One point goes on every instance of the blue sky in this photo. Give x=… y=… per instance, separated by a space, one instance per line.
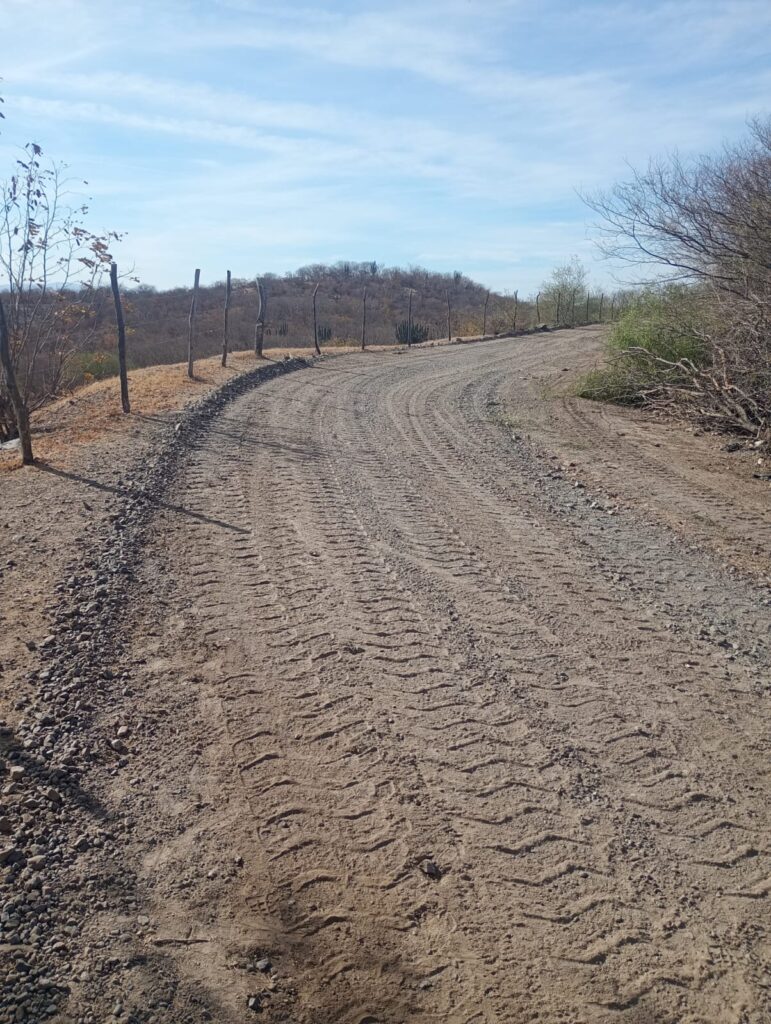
x=259 y=136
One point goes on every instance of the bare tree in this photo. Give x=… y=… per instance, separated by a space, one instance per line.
x=51 y=270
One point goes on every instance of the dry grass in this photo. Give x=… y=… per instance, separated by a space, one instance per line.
x=93 y=411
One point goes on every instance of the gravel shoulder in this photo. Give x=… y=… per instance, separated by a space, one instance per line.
x=402 y=687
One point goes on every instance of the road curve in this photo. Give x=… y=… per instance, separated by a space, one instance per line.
x=459 y=741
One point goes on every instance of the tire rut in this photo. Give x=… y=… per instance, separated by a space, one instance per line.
x=492 y=769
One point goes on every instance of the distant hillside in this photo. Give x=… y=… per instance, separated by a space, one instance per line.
x=158 y=320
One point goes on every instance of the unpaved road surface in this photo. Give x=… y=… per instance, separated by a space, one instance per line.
x=438 y=714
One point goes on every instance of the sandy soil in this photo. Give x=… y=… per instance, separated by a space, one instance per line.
x=442 y=698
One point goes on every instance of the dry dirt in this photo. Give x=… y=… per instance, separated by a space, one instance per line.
x=443 y=698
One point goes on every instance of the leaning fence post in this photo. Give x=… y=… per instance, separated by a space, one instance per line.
x=364 y=319
x=315 y=322
x=124 y=395
x=225 y=322
x=259 y=327
x=19 y=406
x=191 y=324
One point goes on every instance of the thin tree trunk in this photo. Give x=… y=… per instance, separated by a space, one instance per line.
x=315 y=323
x=225 y=322
x=259 y=328
x=516 y=309
x=559 y=304
x=587 y=307
x=124 y=395
x=484 y=319
x=409 y=321
x=602 y=299
x=449 y=317
x=573 y=308
x=191 y=324
x=19 y=406
x=364 y=320
x=538 y=308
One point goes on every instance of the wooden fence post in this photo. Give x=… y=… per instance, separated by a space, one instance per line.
x=315 y=322
x=124 y=395
x=364 y=319
x=225 y=322
x=409 y=321
x=259 y=327
x=191 y=324
x=449 y=316
x=484 y=319
x=19 y=406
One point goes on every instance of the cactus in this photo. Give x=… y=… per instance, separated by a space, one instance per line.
x=420 y=332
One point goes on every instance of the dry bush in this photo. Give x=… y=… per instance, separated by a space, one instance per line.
x=705 y=224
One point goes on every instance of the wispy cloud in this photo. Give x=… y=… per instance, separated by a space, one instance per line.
x=452 y=133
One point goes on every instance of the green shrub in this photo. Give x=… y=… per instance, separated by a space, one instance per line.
x=659 y=325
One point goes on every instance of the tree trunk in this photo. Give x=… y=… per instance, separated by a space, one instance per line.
x=516 y=309
x=315 y=323
x=19 y=406
x=484 y=319
x=409 y=321
x=191 y=324
x=225 y=322
x=602 y=299
x=559 y=304
x=124 y=395
x=364 y=320
x=587 y=307
x=538 y=308
x=449 y=317
x=259 y=328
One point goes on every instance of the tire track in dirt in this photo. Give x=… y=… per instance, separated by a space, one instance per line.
x=432 y=657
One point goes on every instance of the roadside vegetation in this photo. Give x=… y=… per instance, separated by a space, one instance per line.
x=695 y=338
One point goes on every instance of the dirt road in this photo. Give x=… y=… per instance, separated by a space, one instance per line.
x=446 y=714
